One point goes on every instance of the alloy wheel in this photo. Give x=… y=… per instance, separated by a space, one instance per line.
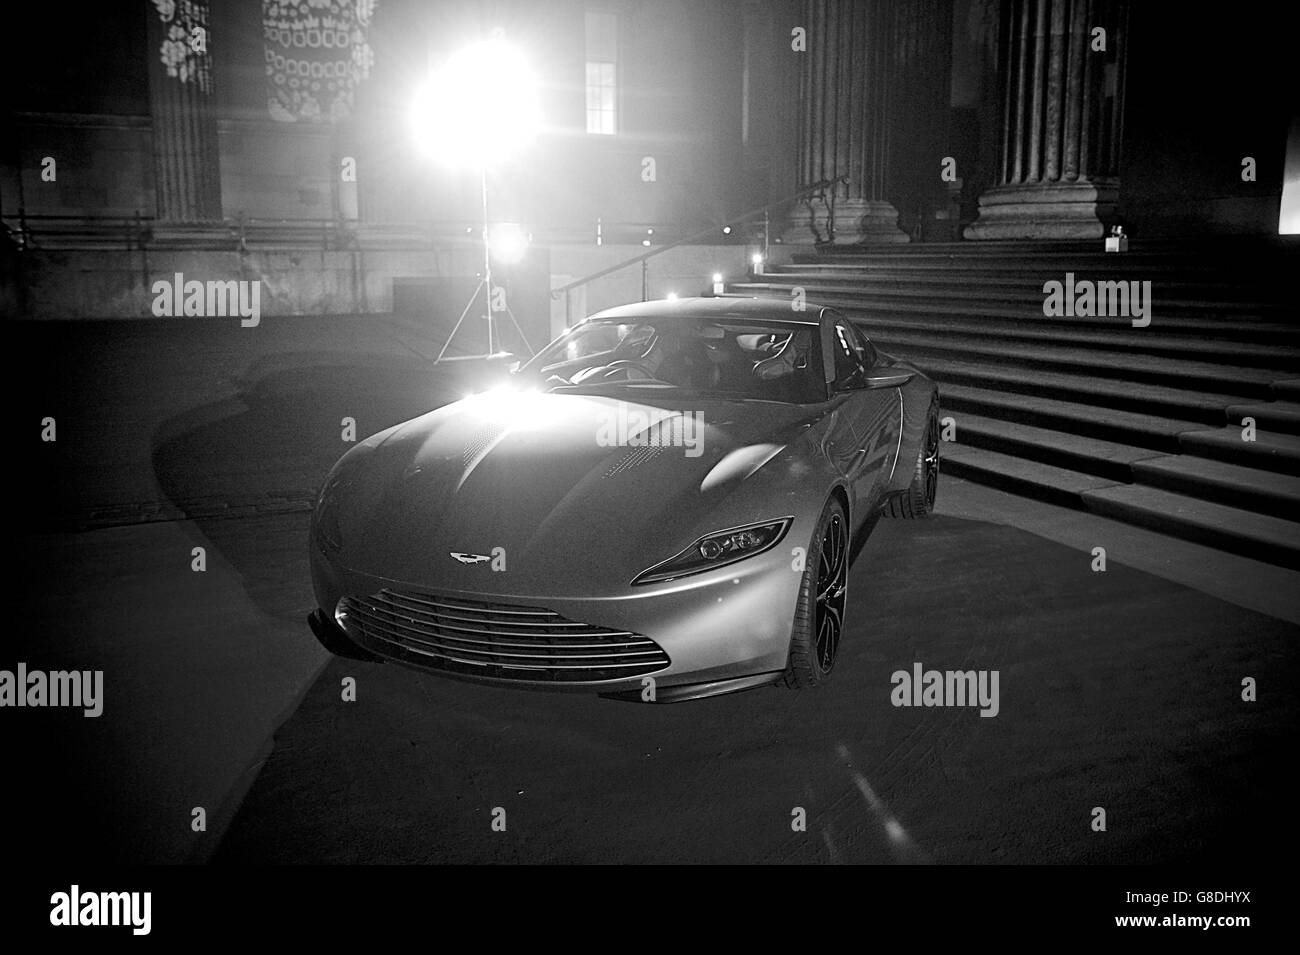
x=930 y=462
x=832 y=588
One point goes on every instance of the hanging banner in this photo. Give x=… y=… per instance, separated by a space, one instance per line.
x=316 y=57
x=184 y=47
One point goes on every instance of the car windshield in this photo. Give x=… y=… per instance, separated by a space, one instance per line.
x=768 y=361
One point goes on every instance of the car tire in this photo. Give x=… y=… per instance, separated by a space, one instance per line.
x=918 y=499
x=823 y=596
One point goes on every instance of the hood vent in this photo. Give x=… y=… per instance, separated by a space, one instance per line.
x=480 y=442
x=635 y=457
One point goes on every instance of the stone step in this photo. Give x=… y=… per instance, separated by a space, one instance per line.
x=1244 y=532
x=1109 y=424
x=1063 y=449
x=1141 y=424
x=1271 y=451
x=1175 y=337
x=1261 y=331
x=1206 y=407
x=1027 y=300
x=931 y=266
x=943 y=281
x=1246 y=487
x=1235 y=252
x=1035 y=479
x=1276 y=416
x=1255 y=383
x=1268 y=492
x=1252 y=534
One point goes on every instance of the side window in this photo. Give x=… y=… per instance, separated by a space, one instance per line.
x=866 y=350
x=850 y=372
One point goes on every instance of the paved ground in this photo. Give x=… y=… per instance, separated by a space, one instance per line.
x=199 y=668
x=1118 y=690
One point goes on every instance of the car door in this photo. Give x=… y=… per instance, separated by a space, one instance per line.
x=873 y=414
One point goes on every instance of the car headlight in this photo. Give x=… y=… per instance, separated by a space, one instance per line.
x=718 y=550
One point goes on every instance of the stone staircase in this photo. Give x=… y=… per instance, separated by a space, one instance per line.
x=1141 y=424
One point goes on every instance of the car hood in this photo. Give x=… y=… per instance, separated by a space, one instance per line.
x=569 y=493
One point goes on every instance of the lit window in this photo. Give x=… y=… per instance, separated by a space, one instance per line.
x=602 y=73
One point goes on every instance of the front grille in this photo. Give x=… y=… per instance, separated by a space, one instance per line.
x=501 y=641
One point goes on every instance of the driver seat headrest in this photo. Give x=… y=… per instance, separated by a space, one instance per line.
x=780 y=364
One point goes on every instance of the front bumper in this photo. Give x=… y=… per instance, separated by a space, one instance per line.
x=719 y=631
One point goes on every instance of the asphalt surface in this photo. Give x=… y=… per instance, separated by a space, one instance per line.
x=1118 y=690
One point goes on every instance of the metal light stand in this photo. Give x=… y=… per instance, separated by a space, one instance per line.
x=485 y=286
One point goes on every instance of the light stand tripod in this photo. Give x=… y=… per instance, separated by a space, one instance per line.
x=484 y=286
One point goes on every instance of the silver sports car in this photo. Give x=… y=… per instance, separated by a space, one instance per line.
x=661 y=505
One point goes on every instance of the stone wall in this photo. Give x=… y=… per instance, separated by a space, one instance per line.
x=117 y=282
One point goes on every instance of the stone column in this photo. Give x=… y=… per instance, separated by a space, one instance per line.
x=844 y=113
x=187 y=172
x=921 y=91
x=1062 y=109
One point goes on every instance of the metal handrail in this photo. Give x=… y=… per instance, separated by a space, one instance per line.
x=329 y=230
x=135 y=228
x=86 y=217
x=817 y=187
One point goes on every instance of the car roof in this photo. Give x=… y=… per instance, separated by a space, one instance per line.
x=717 y=307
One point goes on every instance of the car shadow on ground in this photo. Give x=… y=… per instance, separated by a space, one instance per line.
x=267 y=449
x=1118 y=691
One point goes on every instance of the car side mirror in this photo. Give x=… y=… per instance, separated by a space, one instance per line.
x=888 y=378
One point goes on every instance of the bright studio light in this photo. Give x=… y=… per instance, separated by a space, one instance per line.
x=508 y=242
x=479 y=106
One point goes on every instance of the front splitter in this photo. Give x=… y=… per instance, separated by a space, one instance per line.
x=697 y=691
